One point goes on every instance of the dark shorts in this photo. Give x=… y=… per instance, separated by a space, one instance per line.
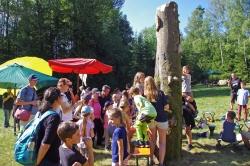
x=48 y=163
x=188 y=118
x=233 y=97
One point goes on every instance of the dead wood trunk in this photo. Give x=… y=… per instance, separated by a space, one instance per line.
x=168 y=70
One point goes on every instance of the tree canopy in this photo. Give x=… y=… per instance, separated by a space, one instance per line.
x=215 y=39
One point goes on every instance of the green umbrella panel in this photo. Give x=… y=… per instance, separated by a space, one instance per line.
x=16 y=76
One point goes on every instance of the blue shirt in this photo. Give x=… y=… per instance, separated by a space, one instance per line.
x=27 y=94
x=119 y=133
x=161 y=101
x=228 y=132
x=242 y=96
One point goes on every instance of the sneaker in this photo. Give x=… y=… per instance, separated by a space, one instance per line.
x=146 y=144
x=189 y=147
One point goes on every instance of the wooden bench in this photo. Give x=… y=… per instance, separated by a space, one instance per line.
x=141 y=152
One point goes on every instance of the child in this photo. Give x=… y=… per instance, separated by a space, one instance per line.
x=107 y=107
x=69 y=155
x=84 y=101
x=115 y=99
x=188 y=108
x=86 y=127
x=242 y=100
x=227 y=133
x=146 y=113
x=186 y=81
x=119 y=139
x=139 y=81
x=125 y=108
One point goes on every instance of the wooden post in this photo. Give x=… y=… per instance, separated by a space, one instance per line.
x=168 y=70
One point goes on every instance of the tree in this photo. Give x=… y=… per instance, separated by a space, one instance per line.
x=168 y=69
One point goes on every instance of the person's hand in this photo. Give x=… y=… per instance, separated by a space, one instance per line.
x=88 y=142
x=166 y=107
x=77 y=164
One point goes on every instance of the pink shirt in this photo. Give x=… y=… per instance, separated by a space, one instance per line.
x=96 y=107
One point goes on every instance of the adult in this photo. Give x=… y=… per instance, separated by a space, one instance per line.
x=67 y=107
x=8 y=101
x=48 y=141
x=160 y=125
x=234 y=84
x=104 y=96
x=27 y=99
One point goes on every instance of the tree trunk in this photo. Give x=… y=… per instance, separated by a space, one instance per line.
x=168 y=70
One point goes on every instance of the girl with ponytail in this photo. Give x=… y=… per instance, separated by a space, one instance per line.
x=48 y=141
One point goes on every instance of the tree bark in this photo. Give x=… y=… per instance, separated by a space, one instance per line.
x=168 y=70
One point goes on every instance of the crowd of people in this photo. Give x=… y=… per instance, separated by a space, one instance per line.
x=93 y=119
x=106 y=119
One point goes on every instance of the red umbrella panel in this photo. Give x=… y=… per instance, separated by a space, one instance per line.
x=79 y=65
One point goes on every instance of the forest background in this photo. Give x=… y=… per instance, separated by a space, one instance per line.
x=216 y=41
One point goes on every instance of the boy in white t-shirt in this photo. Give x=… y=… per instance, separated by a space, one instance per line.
x=242 y=100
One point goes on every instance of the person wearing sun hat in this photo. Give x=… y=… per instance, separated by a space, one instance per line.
x=27 y=99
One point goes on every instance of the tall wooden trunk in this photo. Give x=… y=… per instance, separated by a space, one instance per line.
x=168 y=70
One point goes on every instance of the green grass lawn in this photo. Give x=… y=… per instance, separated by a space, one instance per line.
x=214 y=99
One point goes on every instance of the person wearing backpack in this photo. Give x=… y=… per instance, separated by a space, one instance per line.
x=38 y=143
x=48 y=141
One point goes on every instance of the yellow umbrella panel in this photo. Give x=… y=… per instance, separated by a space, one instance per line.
x=33 y=63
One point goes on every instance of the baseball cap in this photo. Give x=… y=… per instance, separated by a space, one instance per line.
x=33 y=77
x=85 y=110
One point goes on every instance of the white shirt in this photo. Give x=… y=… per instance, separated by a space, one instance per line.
x=242 y=98
x=68 y=116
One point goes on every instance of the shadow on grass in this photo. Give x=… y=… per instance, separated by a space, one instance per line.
x=100 y=155
x=196 y=136
x=211 y=156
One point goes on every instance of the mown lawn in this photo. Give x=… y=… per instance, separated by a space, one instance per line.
x=214 y=99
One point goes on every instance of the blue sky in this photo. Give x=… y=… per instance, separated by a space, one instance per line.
x=141 y=13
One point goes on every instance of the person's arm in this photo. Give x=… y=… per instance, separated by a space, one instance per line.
x=42 y=152
x=20 y=98
x=78 y=109
x=120 y=151
x=92 y=133
x=191 y=106
x=21 y=102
